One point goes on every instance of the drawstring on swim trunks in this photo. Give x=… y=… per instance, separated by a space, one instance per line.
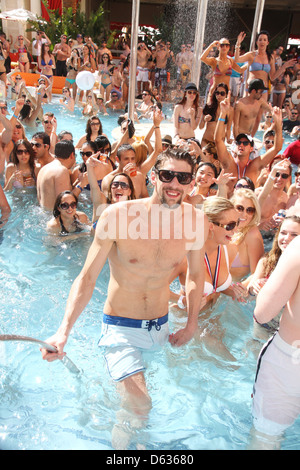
x=152 y=323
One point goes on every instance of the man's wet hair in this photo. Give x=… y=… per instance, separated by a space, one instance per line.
x=64 y=149
x=124 y=148
x=176 y=154
x=43 y=136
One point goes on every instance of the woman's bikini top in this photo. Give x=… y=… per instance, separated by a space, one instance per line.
x=258 y=67
x=184 y=120
x=210 y=288
x=237 y=263
x=76 y=223
x=218 y=72
x=43 y=63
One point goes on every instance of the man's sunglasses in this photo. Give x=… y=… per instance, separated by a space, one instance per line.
x=244 y=142
x=229 y=226
x=36 y=144
x=166 y=176
x=65 y=205
x=284 y=176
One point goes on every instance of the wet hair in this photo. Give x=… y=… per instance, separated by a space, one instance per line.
x=211 y=108
x=102 y=141
x=64 y=149
x=175 y=154
x=61 y=135
x=271 y=258
x=91 y=144
x=267 y=134
x=248 y=194
x=88 y=128
x=29 y=148
x=132 y=194
x=211 y=165
x=249 y=181
x=43 y=136
x=211 y=148
x=25 y=111
x=215 y=206
x=56 y=211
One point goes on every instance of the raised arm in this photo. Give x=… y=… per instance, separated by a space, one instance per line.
x=224 y=156
x=211 y=61
x=267 y=157
x=148 y=164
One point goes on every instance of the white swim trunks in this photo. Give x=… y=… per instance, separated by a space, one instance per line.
x=142 y=74
x=276 y=393
x=125 y=339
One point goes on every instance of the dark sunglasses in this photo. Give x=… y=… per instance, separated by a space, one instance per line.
x=3 y=107
x=119 y=184
x=297 y=173
x=192 y=92
x=21 y=151
x=18 y=78
x=229 y=226
x=284 y=176
x=36 y=144
x=18 y=126
x=94 y=123
x=65 y=205
x=222 y=93
x=86 y=154
x=269 y=142
x=47 y=122
x=249 y=210
x=244 y=142
x=244 y=186
x=166 y=176
x=224 y=44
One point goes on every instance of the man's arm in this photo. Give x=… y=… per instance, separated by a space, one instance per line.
x=5 y=208
x=224 y=156
x=236 y=119
x=281 y=284
x=194 y=289
x=82 y=288
x=267 y=157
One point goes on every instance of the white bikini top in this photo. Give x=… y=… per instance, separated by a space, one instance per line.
x=210 y=288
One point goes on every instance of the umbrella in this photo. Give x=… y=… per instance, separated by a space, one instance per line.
x=18 y=15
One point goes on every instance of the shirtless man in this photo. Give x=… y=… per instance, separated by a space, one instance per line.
x=179 y=61
x=141 y=268
x=146 y=105
x=276 y=395
x=248 y=110
x=116 y=103
x=127 y=162
x=240 y=164
x=40 y=143
x=143 y=55
x=272 y=196
x=162 y=54
x=54 y=177
x=62 y=52
x=294 y=199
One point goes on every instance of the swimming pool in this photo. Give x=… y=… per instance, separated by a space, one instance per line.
x=199 y=400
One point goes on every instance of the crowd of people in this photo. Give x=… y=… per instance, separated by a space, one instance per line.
x=212 y=167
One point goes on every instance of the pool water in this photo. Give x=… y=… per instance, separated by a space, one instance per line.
x=200 y=401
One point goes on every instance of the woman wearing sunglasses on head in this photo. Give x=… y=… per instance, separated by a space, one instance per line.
x=66 y=219
x=210 y=116
x=247 y=243
x=187 y=114
x=222 y=65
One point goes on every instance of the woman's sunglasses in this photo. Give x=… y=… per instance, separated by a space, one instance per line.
x=86 y=154
x=249 y=210
x=21 y=151
x=222 y=93
x=119 y=184
x=244 y=186
x=65 y=205
x=229 y=226
x=166 y=176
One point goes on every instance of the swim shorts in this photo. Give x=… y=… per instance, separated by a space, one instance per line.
x=161 y=77
x=276 y=393
x=125 y=340
x=142 y=74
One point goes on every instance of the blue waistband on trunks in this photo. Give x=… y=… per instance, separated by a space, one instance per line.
x=132 y=323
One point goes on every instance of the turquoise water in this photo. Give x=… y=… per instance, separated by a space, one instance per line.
x=199 y=400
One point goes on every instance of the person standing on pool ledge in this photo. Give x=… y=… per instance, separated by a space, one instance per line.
x=141 y=267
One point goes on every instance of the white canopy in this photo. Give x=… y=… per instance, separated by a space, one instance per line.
x=18 y=15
